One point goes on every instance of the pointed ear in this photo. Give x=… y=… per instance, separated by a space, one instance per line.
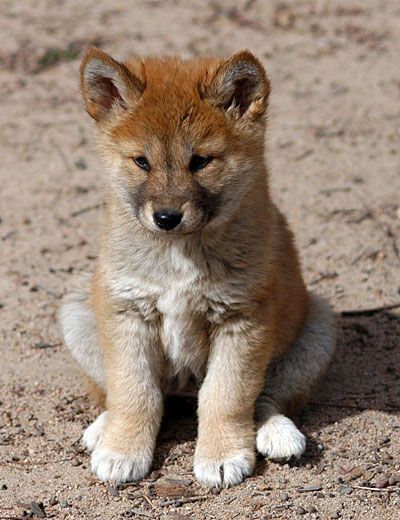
x=240 y=87
x=107 y=85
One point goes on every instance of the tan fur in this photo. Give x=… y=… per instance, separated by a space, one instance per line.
x=94 y=390
x=219 y=297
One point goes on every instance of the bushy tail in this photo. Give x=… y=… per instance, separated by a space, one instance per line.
x=291 y=379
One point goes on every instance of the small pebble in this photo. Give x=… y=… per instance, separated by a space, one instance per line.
x=382 y=483
x=309 y=489
x=75 y=462
x=154 y=475
x=300 y=510
x=284 y=497
x=53 y=500
x=345 y=490
x=369 y=475
x=113 y=491
x=311 y=509
x=386 y=457
x=37 y=509
x=335 y=515
x=81 y=164
x=64 y=504
x=4 y=487
x=320 y=468
x=393 y=479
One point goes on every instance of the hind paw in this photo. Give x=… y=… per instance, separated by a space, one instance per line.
x=93 y=433
x=280 y=439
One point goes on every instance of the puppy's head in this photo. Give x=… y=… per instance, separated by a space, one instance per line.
x=182 y=140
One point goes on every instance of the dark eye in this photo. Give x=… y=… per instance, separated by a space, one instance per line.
x=142 y=162
x=198 y=162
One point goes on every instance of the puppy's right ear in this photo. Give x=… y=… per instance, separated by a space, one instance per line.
x=107 y=85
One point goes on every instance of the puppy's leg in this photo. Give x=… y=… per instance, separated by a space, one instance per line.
x=225 y=452
x=79 y=326
x=133 y=361
x=289 y=382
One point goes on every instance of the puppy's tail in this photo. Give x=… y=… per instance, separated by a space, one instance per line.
x=291 y=378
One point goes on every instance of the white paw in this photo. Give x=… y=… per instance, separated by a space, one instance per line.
x=279 y=438
x=109 y=466
x=92 y=435
x=224 y=473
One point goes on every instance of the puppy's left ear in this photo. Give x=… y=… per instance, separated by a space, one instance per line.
x=108 y=86
x=240 y=87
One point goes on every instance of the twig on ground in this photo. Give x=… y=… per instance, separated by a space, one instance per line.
x=61 y=155
x=369 y=312
x=184 y=500
x=8 y=235
x=85 y=210
x=360 y=408
x=140 y=512
x=23 y=463
x=148 y=501
x=48 y=291
x=376 y=489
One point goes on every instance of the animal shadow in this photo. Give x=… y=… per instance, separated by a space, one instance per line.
x=364 y=375
x=365 y=371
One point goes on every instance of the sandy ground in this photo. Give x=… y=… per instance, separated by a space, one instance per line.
x=334 y=154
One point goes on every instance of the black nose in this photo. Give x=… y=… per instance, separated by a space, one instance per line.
x=167 y=218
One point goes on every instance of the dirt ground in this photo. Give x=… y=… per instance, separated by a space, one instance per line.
x=335 y=159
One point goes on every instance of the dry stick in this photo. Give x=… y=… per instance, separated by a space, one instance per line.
x=85 y=210
x=383 y=227
x=391 y=235
x=149 y=501
x=8 y=235
x=366 y=488
x=184 y=500
x=141 y=513
x=369 y=312
x=352 y=406
x=48 y=291
x=16 y=464
x=61 y=155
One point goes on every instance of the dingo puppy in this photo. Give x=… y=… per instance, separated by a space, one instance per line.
x=197 y=275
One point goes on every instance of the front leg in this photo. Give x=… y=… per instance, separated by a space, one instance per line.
x=225 y=451
x=123 y=438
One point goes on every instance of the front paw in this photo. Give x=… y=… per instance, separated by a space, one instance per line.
x=110 y=466
x=224 y=472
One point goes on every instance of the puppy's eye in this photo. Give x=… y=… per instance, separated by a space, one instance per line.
x=142 y=162
x=198 y=162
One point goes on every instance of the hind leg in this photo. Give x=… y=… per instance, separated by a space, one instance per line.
x=80 y=332
x=289 y=382
x=78 y=323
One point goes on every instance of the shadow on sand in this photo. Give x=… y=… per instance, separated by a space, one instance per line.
x=364 y=375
